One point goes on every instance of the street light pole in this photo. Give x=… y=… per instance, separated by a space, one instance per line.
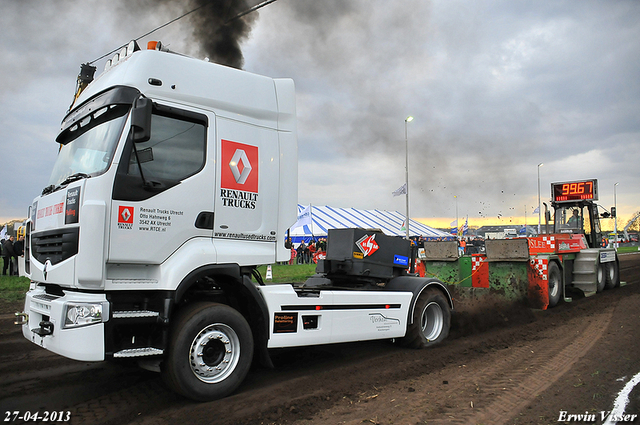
x=539 y=206
x=615 y=219
x=406 y=141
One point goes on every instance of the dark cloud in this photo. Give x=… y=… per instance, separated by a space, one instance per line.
x=495 y=89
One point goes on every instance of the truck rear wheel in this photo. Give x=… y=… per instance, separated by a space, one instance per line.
x=555 y=284
x=613 y=279
x=601 y=278
x=431 y=320
x=210 y=352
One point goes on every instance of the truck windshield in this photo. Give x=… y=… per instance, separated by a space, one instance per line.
x=91 y=142
x=569 y=220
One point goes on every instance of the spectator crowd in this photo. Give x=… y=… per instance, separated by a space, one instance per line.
x=10 y=252
x=306 y=253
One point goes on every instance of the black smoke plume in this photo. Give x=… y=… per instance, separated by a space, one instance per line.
x=219 y=31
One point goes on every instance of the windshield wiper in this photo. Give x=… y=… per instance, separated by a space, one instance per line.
x=48 y=189
x=73 y=177
x=70 y=179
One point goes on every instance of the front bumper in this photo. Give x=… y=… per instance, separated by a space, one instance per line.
x=45 y=325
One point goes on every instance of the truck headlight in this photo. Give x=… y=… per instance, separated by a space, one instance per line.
x=81 y=314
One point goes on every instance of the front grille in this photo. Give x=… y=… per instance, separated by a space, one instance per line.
x=55 y=245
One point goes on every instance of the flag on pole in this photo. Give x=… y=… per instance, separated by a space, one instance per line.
x=465 y=227
x=537 y=210
x=304 y=218
x=404 y=225
x=3 y=232
x=454 y=227
x=402 y=190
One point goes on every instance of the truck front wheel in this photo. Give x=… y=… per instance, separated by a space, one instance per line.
x=612 y=275
x=210 y=352
x=431 y=320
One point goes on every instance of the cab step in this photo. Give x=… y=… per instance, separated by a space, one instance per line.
x=138 y=352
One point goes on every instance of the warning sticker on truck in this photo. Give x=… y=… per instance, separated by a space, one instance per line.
x=367 y=244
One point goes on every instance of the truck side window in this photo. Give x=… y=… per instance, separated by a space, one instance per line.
x=175 y=151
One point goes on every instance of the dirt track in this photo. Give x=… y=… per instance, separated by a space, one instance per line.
x=504 y=366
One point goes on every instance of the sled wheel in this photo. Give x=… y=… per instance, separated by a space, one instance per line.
x=210 y=352
x=601 y=278
x=431 y=320
x=612 y=275
x=555 y=284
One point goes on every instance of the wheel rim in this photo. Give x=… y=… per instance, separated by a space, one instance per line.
x=214 y=353
x=432 y=321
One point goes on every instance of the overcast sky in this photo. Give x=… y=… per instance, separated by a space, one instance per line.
x=496 y=87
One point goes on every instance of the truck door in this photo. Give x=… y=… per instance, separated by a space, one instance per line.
x=163 y=190
x=247 y=200
x=595 y=239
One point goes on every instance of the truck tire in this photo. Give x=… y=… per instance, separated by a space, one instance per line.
x=601 y=276
x=613 y=277
x=555 y=284
x=431 y=320
x=210 y=352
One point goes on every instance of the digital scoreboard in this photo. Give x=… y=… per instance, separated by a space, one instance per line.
x=575 y=191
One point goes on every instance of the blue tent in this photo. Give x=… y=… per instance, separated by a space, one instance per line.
x=391 y=223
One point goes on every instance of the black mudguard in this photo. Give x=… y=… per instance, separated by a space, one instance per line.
x=417 y=285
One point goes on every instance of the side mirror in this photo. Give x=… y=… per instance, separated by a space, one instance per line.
x=613 y=212
x=141 y=120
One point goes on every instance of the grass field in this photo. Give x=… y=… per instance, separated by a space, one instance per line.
x=13 y=288
x=624 y=249
x=288 y=273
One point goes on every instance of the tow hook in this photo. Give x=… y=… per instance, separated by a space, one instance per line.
x=21 y=319
x=46 y=328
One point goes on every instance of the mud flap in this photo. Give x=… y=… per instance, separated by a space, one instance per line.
x=538 y=288
x=479 y=271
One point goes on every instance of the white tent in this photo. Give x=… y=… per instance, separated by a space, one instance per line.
x=390 y=222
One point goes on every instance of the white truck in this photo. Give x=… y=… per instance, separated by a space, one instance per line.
x=175 y=179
